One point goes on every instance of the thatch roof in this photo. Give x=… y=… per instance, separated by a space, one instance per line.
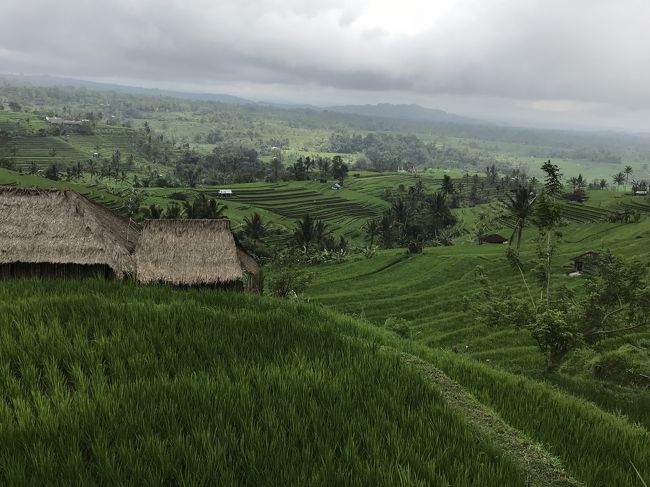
x=591 y=255
x=62 y=227
x=248 y=264
x=189 y=252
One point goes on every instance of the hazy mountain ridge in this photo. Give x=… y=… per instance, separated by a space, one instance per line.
x=47 y=80
x=404 y=112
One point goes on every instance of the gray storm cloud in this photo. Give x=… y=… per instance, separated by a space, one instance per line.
x=582 y=51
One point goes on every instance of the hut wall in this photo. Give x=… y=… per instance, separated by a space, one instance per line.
x=47 y=270
x=253 y=282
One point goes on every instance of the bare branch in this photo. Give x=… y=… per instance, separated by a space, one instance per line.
x=618 y=330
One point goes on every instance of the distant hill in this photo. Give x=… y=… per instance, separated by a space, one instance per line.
x=47 y=80
x=404 y=112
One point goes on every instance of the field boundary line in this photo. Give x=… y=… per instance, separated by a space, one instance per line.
x=542 y=469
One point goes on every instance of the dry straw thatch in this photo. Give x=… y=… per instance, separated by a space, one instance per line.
x=191 y=252
x=41 y=226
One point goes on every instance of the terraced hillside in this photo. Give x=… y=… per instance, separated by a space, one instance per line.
x=293 y=202
x=33 y=145
x=430 y=292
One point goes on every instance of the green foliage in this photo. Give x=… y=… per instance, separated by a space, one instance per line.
x=617 y=297
x=555 y=334
x=132 y=201
x=627 y=365
x=254 y=227
x=514 y=260
x=615 y=300
x=52 y=172
x=204 y=208
x=553 y=179
x=520 y=206
x=398 y=325
x=309 y=233
x=288 y=283
x=415 y=217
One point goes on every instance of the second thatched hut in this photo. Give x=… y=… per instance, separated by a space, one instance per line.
x=194 y=253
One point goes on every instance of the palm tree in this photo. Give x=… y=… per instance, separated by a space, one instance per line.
x=324 y=167
x=619 y=179
x=386 y=229
x=154 y=212
x=520 y=206
x=304 y=232
x=447 y=185
x=277 y=168
x=627 y=171
x=204 y=207
x=173 y=211
x=254 y=227
x=372 y=229
x=322 y=234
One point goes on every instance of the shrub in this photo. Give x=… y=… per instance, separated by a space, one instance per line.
x=398 y=325
x=628 y=365
x=288 y=283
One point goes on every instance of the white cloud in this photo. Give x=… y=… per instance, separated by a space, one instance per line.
x=584 y=53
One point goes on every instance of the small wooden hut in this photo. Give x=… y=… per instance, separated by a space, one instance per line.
x=493 y=238
x=194 y=253
x=56 y=233
x=587 y=262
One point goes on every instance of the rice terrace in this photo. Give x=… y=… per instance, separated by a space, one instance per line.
x=315 y=279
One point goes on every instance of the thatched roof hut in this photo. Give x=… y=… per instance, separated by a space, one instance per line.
x=193 y=252
x=493 y=238
x=60 y=233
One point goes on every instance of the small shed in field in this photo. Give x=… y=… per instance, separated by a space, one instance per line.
x=56 y=233
x=194 y=253
x=493 y=238
x=587 y=262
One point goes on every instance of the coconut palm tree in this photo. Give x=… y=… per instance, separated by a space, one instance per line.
x=520 y=207
x=204 y=207
x=154 y=212
x=173 y=211
x=277 y=168
x=627 y=171
x=254 y=227
x=304 y=232
x=324 y=166
x=619 y=179
x=372 y=230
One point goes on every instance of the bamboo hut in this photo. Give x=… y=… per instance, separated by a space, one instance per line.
x=57 y=233
x=194 y=253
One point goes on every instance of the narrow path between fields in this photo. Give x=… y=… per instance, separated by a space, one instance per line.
x=540 y=467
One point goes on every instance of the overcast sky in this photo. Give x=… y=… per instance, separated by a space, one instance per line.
x=542 y=62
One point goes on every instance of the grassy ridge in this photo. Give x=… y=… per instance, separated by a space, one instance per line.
x=115 y=383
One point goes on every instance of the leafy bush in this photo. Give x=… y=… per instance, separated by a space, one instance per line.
x=289 y=283
x=398 y=325
x=628 y=365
